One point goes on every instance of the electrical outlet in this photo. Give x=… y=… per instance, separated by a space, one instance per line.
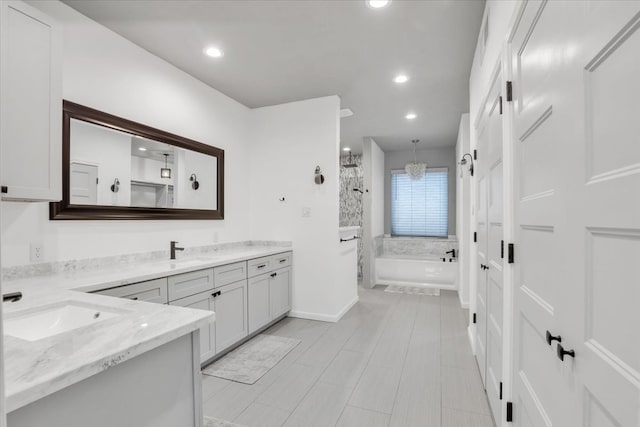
x=306 y=212
x=36 y=252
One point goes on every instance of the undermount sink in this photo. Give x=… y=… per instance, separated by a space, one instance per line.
x=53 y=320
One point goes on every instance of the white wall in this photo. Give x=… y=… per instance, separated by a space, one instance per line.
x=109 y=150
x=123 y=79
x=463 y=211
x=289 y=141
x=373 y=161
x=434 y=158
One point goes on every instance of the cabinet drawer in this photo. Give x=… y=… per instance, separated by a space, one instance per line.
x=259 y=266
x=231 y=273
x=187 y=284
x=281 y=260
x=151 y=291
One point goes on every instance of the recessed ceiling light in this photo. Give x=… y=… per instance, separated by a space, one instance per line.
x=378 y=4
x=401 y=78
x=142 y=149
x=214 y=52
x=346 y=149
x=410 y=116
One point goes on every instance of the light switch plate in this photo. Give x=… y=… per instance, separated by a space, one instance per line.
x=306 y=212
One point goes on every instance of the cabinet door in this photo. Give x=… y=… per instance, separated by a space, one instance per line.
x=230 y=305
x=259 y=312
x=280 y=292
x=203 y=301
x=31 y=104
x=150 y=291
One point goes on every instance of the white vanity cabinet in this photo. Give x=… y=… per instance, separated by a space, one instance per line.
x=269 y=293
x=230 y=306
x=30 y=104
x=203 y=301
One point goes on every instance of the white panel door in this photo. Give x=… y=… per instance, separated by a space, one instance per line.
x=483 y=258
x=83 y=184
x=603 y=236
x=577 y=160
x=494 y=248
x=540 y=394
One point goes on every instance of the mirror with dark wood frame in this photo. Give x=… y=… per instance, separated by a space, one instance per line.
x=114 y=168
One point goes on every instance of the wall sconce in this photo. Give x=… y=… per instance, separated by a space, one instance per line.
x=194 y=181
x=165 y=172
x=463 y=162
x=319 y=178
x=115 y=187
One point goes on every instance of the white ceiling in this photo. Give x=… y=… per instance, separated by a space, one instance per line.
x=283 y=51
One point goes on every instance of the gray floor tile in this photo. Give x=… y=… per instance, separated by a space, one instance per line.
x=358 y=417
x=321 y=407
x=462 y=389
x=345 y=369
x=377 y=388
x=291 y=387
x=235 y=399
x=456 y=418
x=212 y=386
x=260 y=415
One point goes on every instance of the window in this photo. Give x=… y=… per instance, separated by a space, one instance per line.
x=420 y=207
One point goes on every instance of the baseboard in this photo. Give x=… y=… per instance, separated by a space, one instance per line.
x=416 y=284
x=471 y=340
x=324 y=317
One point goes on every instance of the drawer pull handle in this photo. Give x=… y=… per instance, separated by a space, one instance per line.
x=283 y=260
x=134 y=299
x=262 y=265
x=551 y=338
x=216 y=294
x=562 y=352
x=274 y=274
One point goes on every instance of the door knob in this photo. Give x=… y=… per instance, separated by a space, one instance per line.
x=562 y=352
x=551 y=338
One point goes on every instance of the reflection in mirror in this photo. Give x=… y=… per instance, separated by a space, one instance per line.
x=114 y=168
x=150 y=174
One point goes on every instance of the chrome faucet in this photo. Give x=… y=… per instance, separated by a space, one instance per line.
x=452 y=252
x=174 y=248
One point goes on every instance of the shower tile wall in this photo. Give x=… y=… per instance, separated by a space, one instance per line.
x=351 y=201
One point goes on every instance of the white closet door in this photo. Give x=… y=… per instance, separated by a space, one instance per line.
x=495 y=235
x=577 y=158
x=540 y=393
x=603 y=237
x=481 y=291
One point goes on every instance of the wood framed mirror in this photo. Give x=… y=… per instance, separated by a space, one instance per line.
x=117 y=169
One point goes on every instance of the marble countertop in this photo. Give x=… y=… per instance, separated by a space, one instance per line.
x=35 y=369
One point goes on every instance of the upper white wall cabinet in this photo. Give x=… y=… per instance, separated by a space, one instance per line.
x=30 y=104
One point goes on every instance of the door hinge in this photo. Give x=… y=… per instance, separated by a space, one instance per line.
x=500 y=105
x=97 y=180
x=475 y=154
x=4 y=189
x=474 y=318
x=475 y=236
x=501 y=248
x=511 y=256
x=500 y=390
x=509 y=412
x=509 y=91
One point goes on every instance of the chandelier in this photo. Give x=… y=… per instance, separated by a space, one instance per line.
x=415 y=170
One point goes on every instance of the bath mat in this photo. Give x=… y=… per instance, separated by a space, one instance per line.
x=214 y=422
x=249 y=362
x=413 y=290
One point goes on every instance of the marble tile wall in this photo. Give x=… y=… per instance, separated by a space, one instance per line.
x=416 y=246
x=351 y=201
x=78 y=265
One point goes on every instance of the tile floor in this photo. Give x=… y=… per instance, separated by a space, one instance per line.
x=393 y=360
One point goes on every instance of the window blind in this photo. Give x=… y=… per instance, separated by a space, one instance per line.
x=420 y=207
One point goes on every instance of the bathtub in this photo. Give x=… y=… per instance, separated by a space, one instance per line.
x=407 y=270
